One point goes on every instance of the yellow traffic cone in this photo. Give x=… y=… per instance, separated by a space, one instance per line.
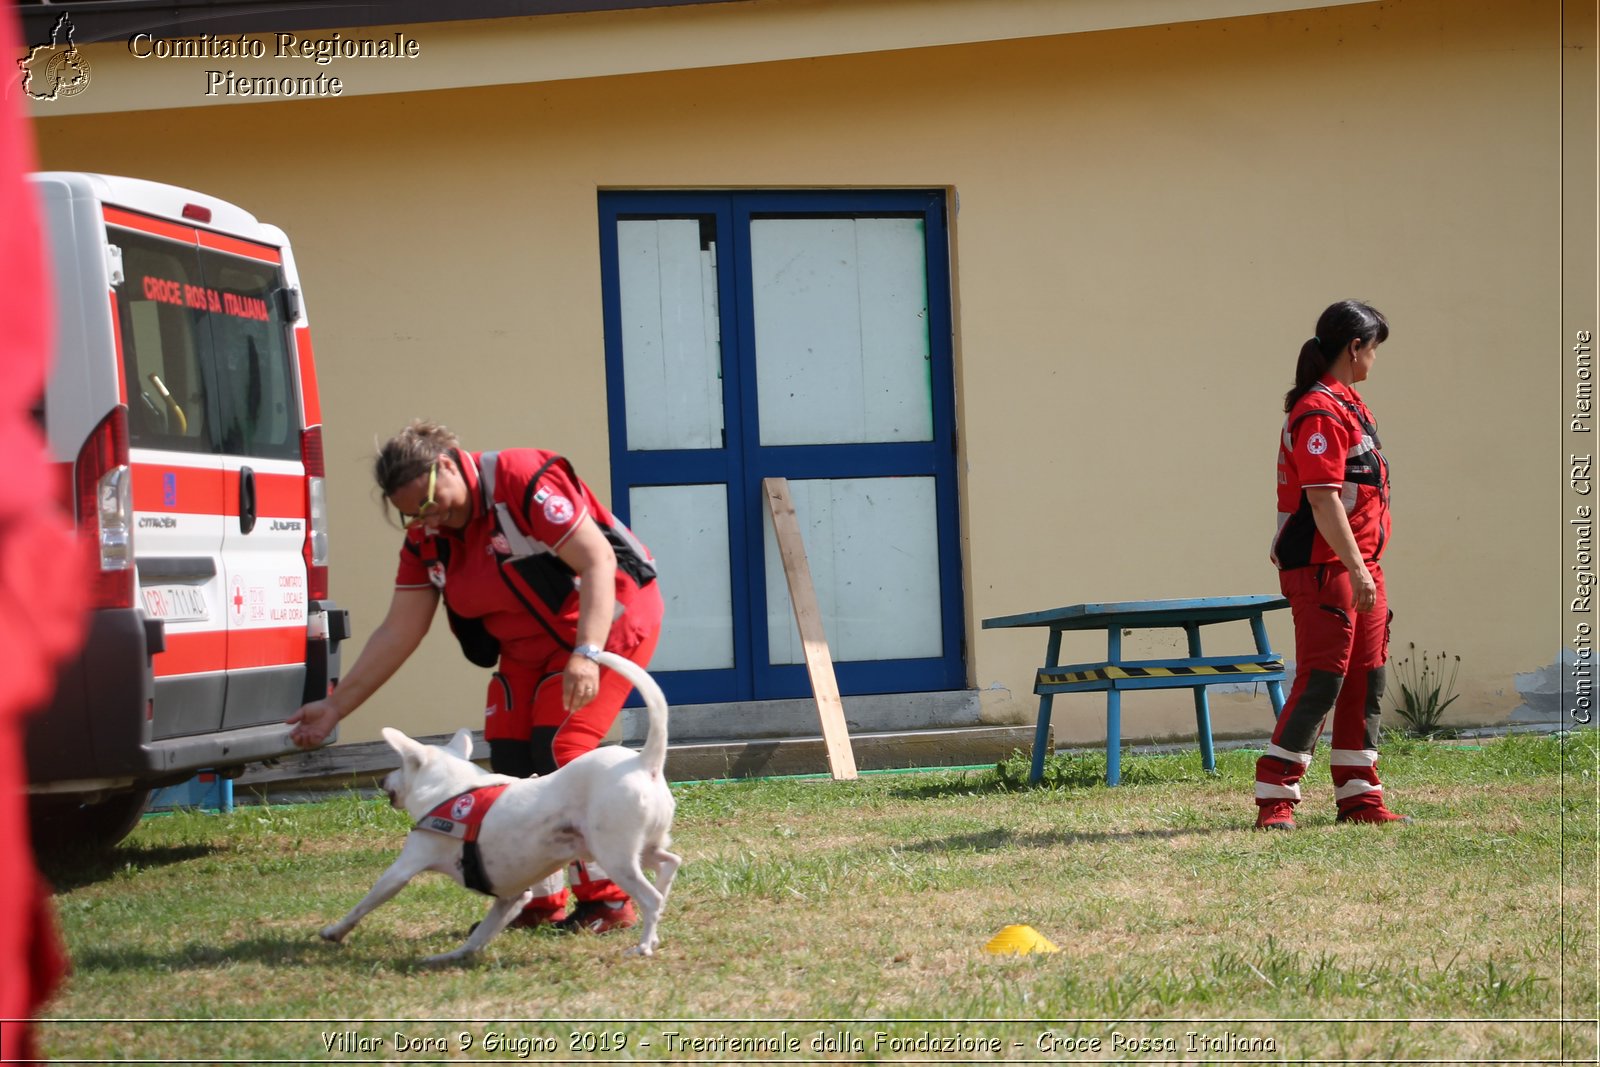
x=1019 y=941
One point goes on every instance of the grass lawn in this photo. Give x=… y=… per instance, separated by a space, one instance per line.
x=819 y=921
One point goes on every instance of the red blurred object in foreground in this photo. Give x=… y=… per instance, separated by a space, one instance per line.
x=42 y=583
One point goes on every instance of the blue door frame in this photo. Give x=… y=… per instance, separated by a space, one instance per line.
x=743 y=461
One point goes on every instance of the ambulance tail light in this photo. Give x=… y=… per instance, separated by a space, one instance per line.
x=104 y=490
x=316 y=547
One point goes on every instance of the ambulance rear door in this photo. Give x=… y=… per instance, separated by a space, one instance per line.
x=263 y=475
x=179 y=501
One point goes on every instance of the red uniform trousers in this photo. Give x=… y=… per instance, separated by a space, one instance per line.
x=525 y=709
x=1340 y=658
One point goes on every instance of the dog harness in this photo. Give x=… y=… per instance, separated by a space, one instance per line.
x=461 y=817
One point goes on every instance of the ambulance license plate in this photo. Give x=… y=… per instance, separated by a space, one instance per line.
x=174 y=603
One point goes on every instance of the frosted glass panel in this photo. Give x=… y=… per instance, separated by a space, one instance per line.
x=671 y=344
x=873 y=548
x=686 y=527
x=841 y=324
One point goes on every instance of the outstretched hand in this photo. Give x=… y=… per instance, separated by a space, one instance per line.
x=313 y=723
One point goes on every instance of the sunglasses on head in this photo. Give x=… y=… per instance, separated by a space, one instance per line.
x=428 y=505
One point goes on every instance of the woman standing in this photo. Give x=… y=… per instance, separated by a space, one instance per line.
x=1333 y=525
x=534 y=571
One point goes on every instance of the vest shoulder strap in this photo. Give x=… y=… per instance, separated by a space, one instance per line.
x=486 y=468
x=506 y=517
x=1304 y=415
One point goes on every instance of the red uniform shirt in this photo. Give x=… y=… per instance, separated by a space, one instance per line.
x=1330 y=440
x=530 y=604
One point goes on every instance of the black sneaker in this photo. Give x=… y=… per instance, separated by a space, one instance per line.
x=599 y=916
x=531 y=917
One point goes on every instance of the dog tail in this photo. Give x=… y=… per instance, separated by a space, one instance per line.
x=654 y=752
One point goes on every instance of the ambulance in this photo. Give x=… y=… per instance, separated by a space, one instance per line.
x=182 y=412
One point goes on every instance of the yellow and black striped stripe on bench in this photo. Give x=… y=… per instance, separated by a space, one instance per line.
x=1104 y=674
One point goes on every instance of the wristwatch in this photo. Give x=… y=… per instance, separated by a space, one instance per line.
x=588 y=652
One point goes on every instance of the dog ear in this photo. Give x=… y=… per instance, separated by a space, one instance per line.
x=412 y=755
x=461 y=744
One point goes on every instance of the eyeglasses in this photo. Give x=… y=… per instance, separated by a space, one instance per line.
x=428 y=506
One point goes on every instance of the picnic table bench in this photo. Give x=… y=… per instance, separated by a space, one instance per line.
x=1114 y=675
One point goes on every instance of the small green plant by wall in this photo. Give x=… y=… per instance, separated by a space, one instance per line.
x=1425 y=686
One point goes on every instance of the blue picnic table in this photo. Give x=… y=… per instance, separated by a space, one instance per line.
x=1114 y=675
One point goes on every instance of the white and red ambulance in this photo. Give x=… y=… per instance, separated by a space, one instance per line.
x=182 y=406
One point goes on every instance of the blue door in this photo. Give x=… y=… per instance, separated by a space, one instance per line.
x=799 y=335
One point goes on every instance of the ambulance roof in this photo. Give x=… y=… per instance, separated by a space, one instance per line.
x=151 y=198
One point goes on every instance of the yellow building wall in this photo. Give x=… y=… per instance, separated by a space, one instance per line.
x=1149 y=221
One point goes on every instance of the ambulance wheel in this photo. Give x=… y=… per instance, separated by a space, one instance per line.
x=66 y=824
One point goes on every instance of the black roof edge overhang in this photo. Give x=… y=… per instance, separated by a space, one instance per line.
x=96 y=21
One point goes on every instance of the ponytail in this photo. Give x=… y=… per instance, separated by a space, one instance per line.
x=1340 y=324
x=1308 y=370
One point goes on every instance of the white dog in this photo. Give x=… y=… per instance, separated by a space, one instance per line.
x=610 y=806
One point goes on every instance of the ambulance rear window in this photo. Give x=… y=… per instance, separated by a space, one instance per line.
x=260 y=410
x=205 y=350
x=165 y=345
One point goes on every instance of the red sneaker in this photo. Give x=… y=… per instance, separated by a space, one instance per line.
x=1275 y=815
x=1373 y=813
x=599 y=916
